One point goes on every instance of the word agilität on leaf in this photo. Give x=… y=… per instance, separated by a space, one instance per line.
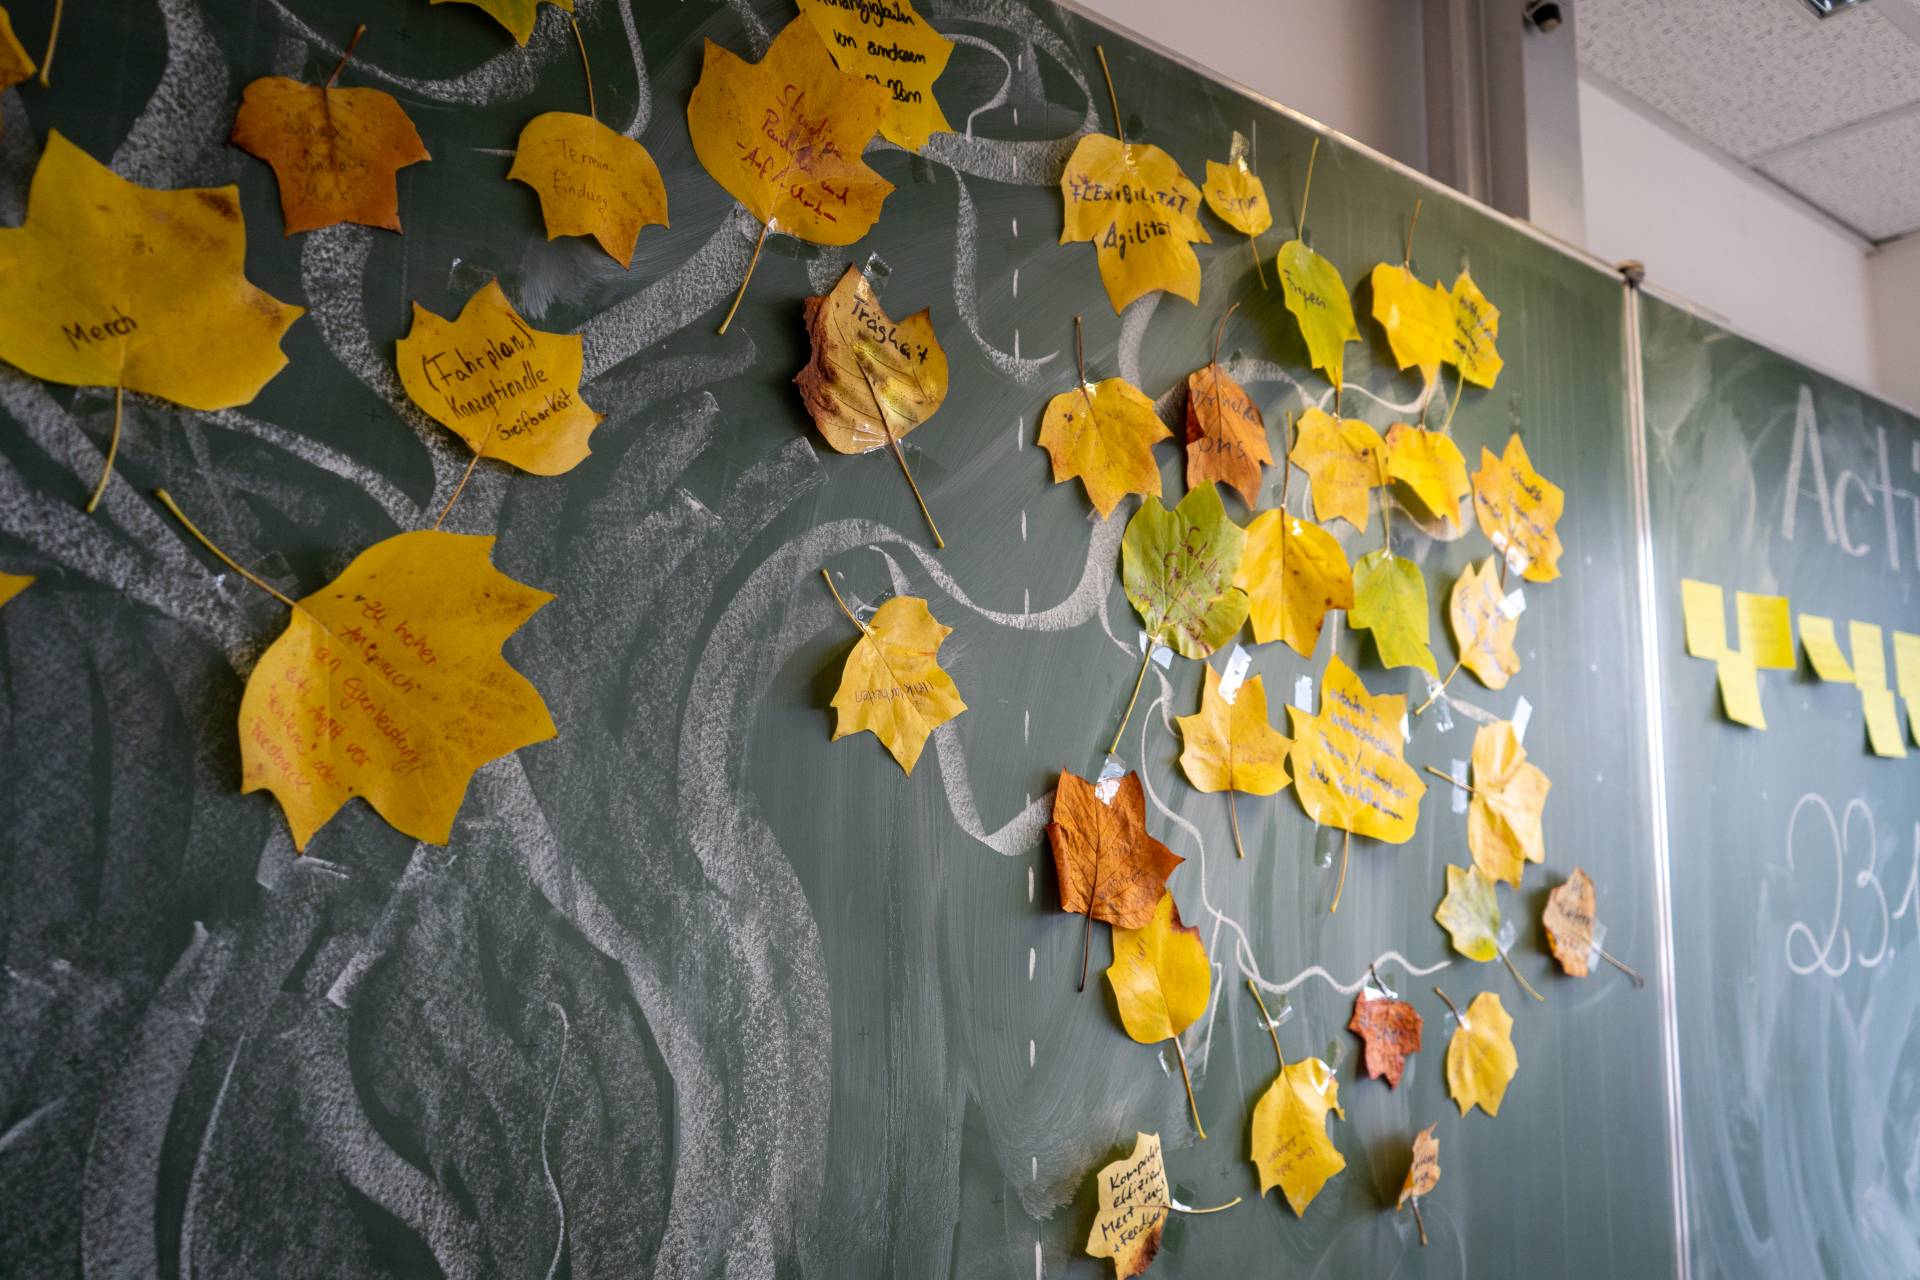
x=1238 y=198
x=336 y=153
x=784 y=137
x=1348 y=769
x=1108 y=867
x=1389 y=1030
x=1518 y=510
x=1470 y=913
x=1345 y=460
x=1481 y=1060
x=111 y=284
x=1287 y=1137
x=1161 y=980
x=1390 y=600
x=890 y=45
x=1103 y=433
x=1423 y=1175
x=892 y=685
x=511 y=391
x=1134 y=1199
x=1572 y=931
x=869 y=380
x=1231 y=746
x=1317 y=297
x=1140 y=212
x=12 y=584
x=517 y=16
x=1226 y=436
x=1293 y=572
x=1505 y=819
x=1430 y=464
x=389 y=684
x=15 y=65
x=1178 y=568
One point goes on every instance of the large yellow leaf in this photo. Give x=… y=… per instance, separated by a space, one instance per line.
x=1504 y=826
x=1418 y=322
x=1318 y=299
x=1290 y=1145
x=1226 y=436
x=1344 y=459
x=1292 y=572
x=891 y=45
x=1518 y=509
x=1135 y=1199
x=1390 y=600
x=12 y=584
x=1347 y=765
x=1160 y=974
x=389 y=683
x=510 y=391
x=1482 y=628
x=336 y=153
x=15 y=65
x=868 y=376
x=1232 y=746
x=591 y=181
x=1429 y=463
x=892 y=685
x=516 y=16
x=1475 y=325
x=1141 y=214
x=1105 y=435
x=1470 y=913
x=1480 y=1057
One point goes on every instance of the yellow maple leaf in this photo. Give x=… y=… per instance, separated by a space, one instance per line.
x=15 y=65
x=1231 y=746
x=1318 y=299
x=1470 y=913
x=1430 y=464
x=784 y=137
x=1293 y=572
x=1161 y=979
x=12 y=584
x=1504 y=821
x=892 y=46
x=510 y=391
x=1518 y=509
x=1418 y=323
x=591 y=181
x=1290 y=1146
x=516 y=16
x=111 y=284
x=1141 y=213
x=892 y=685
x=336 y=153
x=1474 y=327
x=1482 y=627
x=1390 y=600
x=1104 y=434
x=1481 y=1060
x=1238 y=198
x=1344 y=459
x=389 y=684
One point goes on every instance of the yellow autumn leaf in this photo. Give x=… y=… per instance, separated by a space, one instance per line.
x=1161 y=979
x=516 y=16
x=591 y=181
x=1344 y=459
x=1235 y=193
x=1318 y=299
x=891 y=45
x=1104 y=434
x=893 y=686
x=12 y=584
x=1504 y=822
x=1470 y=913
x=1140 y=212
x=1481 y=1060
x=1134 y=1200
x=869 y=377
x=389 y=684
x=15 y=65
x=110 y=284
x=1232 y=745
x=1418 y=323
x=1293 y=572
x=510 y=391
x=1482 y=627
x=1430 y=464
x=1473 y=329
x=1518 y=509
x=1290 y=1146
x=1390 y=600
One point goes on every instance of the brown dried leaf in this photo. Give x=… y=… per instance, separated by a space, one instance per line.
x=1226 y=436
x=1568 y=920
x=1109 y=867
x=1390 y=1029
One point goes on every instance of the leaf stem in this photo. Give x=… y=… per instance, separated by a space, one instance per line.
x=1524 y=984
x=1419 y=1222
x=1622 y=966
x=346 y=53
x=1186 y=1078
x=1138 y=681
x=1233 y=808
x=1457 y=1015
x=1408 y=260
x=1286 y=484
x=1220 y=329
x=894 y=442
x=1268 y=1019
x=166 y=500
x=1253 y=247
x=53 y=38
x=751 y=263
x=865 y=630
x=1443 y=686
x=113 y=449
x=1458 y=388
x=1464 y=786
x=467 y=475
x=1219 y=1208
x=1346 y=852
x=1119 y=129
x=585 y=69
x=1300 y=223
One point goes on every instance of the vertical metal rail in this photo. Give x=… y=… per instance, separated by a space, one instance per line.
x=1657 y=775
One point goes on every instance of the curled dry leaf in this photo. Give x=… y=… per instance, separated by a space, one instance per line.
x=1290 y=1146
x=516 y=16
x=1518 y=510
x=1474 y=328
x=1293 y=572
x=1347 y=765
x=1104 y=434
x=591 y=181
x=1424 y=1174
x=1430 y=464
x=1226 y=436
x=1344 y=459
x=893 y=686
x=1390 y=600
x=892 y=46
x=1389 y=1029
x=1482 y=628
x=1141 y=214
x=15 y=65
x=1178 y=568
x=868 y=376
x=1568 y=920
x=1470 y=913
x=1481 y=1060
x=1134 y=1201
x=1504 y=819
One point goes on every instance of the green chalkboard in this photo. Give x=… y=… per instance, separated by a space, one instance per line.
x=692 y=991
x=1794 y=850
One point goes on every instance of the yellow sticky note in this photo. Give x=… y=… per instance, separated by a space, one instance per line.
x=1766 y=630
x=1740 y=690
x=1705 y=608
x=1906 y=664
x=1869 y=655
x=1883 y=722
x=1913 y=719
x=1823 y=649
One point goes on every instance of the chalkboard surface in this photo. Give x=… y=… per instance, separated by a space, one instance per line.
x=1794 y=850
x=692 y=992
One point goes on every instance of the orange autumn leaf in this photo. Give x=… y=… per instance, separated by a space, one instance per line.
x=1226 y=436
x=1568 y=920
x=591 y=181
x=517 y=16
x=1293 y=572
x=15 y=65
x=1484 y=625
x=1389 y=1029
x=1108 y=867
x=1344 y=459
x=1518 y=509
x=1140 y=212
x=1430 y=464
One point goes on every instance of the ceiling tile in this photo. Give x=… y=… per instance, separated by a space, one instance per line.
x=1850 y=175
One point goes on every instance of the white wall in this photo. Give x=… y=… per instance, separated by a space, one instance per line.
x=1894 y=272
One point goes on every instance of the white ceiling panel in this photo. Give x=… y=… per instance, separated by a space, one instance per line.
x=1847 y=174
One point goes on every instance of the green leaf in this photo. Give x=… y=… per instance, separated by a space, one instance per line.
x=1471 y=913
x=1318 y=299
x=1178 y=568
x=1390 y=600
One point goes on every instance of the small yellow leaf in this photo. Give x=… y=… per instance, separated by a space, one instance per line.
x=1347 y=766
x=1293 y=572
x=1482 y=628
x=510 y=391
x=1237 y=196
x=1424 y=1174
x=591 y=181
x=1390 y=600
x=1134 y=1202
x=1504 y=822
x=1417 y=322
x=1232 y=746
x=15 y=65
x=1105 y=435
x=1344 y=459
x=893 y=686
x=1160 y=974
x=1475 y=326
x=336 y=153
x=1226 y=436
x=1429 y=463
x=516 y=16
x=1141 y=214
x=1291 y=1148
x=864 y=364
x=1318 y=299
x=1470 y=913
x=1481 y=1058
x=890 y=45
x=1518 y=509
x=12 y=584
